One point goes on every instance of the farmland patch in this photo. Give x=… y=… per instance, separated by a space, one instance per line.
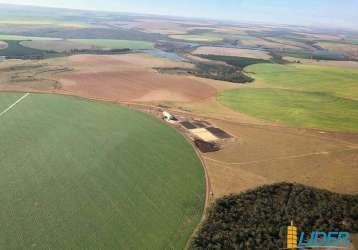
x=79 y=174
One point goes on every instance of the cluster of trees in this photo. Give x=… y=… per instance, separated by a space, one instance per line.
x=233 y=71
x=99 y=51
x=16 y=51
x=220 y=72
x=258 y=219
x=238 y=62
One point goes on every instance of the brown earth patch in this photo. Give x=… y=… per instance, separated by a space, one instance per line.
x=136 y=86
x=259 y=42
x=268 y=154
x=206 y=50
x=131 y=77
x=348 y=49
x=122 y=62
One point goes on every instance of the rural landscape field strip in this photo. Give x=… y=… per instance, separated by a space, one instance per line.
x=336 y=81
x=115 y=44
x=353 y=148
x=100 y=43
x=21 y=38
x=197 y=38
x=300 y=96
x=80 y=174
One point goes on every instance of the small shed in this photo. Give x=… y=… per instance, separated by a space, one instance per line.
x=169 y=117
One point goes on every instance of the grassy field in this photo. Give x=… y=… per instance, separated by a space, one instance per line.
x=296 y=108
x=78 y=174
x=115 y=44
x=303 y=96
x=197 y=38
x=342 y=82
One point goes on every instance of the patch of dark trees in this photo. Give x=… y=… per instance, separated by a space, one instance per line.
x=206 y=147
x=16 y=51
x=229 y=68
x=221 y=72
x=258 y=219
x=231 y=71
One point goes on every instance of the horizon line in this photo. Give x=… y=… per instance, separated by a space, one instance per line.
x=178 y=17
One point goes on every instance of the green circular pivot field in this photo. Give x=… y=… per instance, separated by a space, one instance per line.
x=80 y=174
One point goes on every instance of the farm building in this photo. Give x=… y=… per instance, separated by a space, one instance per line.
x=169 y=117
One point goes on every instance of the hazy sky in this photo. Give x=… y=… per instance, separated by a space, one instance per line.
x=331 y=13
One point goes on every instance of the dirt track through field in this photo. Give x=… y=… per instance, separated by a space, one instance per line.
x=280 y=158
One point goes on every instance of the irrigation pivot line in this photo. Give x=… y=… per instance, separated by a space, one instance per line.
x=14 y=104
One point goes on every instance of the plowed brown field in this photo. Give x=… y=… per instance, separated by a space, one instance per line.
x=136 y=86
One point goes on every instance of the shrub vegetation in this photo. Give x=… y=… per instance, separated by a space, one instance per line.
x=258 y=219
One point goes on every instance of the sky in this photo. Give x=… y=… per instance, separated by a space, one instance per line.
x=319 y=13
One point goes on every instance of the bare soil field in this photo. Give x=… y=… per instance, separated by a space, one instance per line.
x=123 y=62
x=344 y=64
x=348 y=49
x=136 y=86
x=114 y=78
x=266 y=44
x=206 y=50
x=156 y=26
x=273 y=154
x=3 y=45
x=321 y=36
x=289 y=42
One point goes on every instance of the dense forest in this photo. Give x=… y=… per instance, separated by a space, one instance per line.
x=238 y=62
x=233 y=71
x=16 y=51
x=258 y=219
x=220 y=72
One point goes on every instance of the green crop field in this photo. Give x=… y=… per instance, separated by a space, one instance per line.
x=115 y=44
x=342 y=82
x=303 y=96
x=80 y=174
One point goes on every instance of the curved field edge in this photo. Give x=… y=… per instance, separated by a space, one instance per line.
x=336 y=81
x=306 y=96
x=295 y=108
x=116 y=178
